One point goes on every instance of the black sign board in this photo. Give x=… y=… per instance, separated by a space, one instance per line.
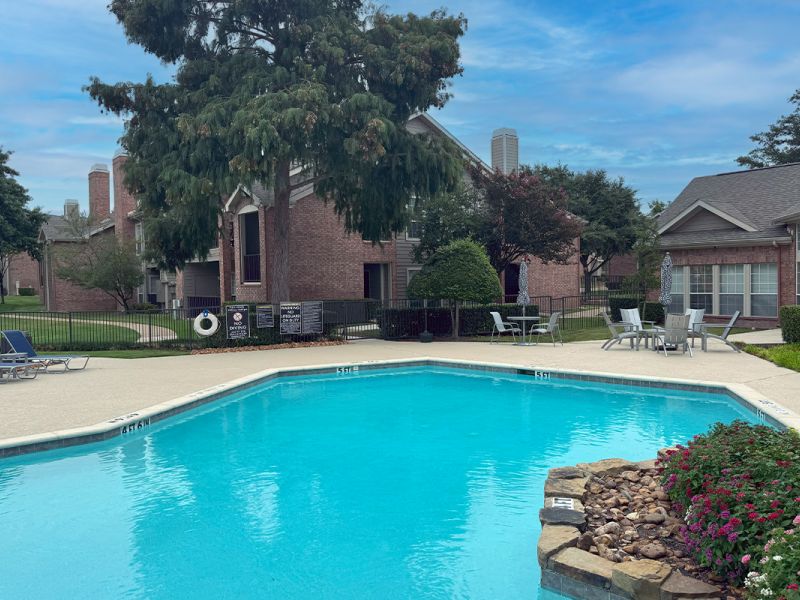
x=264 y=316
x=291 y=318
x=312 y=317
x=237 y=321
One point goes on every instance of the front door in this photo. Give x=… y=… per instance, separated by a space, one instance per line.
x=376 y=281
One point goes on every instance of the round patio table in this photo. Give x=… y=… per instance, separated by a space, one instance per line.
x=523 y=325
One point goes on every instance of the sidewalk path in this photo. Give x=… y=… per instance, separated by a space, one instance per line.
x=764 y=336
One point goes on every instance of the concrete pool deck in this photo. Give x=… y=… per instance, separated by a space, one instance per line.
x=111 y=388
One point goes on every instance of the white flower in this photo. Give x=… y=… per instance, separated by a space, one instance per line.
x=766 y=592
x=777 y=558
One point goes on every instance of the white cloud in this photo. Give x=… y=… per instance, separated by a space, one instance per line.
x=104 y=120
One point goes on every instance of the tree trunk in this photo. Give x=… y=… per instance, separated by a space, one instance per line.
x=279 y=288
x=587 y=281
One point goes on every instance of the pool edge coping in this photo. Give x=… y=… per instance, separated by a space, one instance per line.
x=124 y=424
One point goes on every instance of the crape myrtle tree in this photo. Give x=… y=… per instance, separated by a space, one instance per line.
x=266 y=86
x=19 y=225
x=510 y=215
x=780 y=144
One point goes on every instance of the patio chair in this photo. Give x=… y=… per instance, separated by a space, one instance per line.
x=723 y=337
x=675 y=334
x=501 y=327
x=20 y=344
x=619 y=332
x=631 y=315
x=695 y=323
x=551 y=328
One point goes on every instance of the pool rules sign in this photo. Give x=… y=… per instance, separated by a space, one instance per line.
x=237 y=321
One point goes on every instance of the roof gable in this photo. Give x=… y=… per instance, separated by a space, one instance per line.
x=703 y=216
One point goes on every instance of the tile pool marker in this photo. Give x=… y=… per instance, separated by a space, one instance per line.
x=746 y=396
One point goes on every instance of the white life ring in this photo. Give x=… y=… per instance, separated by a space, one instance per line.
x=206 y=316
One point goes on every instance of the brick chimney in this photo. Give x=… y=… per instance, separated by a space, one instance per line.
x=99 y=194
x=124 y=202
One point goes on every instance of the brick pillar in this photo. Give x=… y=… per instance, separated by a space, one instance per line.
x=124 y=202
x=99 y=194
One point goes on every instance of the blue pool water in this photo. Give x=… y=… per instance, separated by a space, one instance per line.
x=413 y=483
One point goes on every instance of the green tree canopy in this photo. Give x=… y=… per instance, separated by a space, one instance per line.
x=459 y=271
x=510 y=215
x=780 y=144
x=263 y=87
x=19 y=225
x=609 y=208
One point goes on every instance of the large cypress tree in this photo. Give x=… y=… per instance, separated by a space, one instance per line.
x=263 y=86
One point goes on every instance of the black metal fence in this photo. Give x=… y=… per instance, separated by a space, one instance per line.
x=342 y=319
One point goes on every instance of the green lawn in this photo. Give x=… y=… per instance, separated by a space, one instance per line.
x=785 y=355
x=21 y=304
x=60 y=332
x=139 y=353
x=182 y=327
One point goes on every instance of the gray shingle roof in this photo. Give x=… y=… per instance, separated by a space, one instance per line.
x=59 y=229
x=756 y=198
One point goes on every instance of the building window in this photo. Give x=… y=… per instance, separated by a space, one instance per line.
x=764 y=290
x=411 y=272
x=138 y=233
x=731 y=289
x=414 y=231
x=701 y=287
x=678 y=287
x=250 y=245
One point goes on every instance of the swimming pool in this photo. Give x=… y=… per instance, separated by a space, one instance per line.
x=394 y=483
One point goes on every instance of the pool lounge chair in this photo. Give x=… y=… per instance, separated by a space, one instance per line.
x=15 y=366
x=723 y=337
x=501 y=326
x=20 y=344
x=620 y=332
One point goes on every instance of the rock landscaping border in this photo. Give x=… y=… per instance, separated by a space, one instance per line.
x=570 y=568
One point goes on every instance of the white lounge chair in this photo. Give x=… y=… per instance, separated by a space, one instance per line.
x=723 y=337
x=501 y=327
x=631 y=315
x=675 y=334
x=551 y=328
x=619 y=332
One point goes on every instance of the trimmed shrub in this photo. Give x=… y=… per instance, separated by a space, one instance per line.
x=396 y=323
x=144 y=307
x=27 y=291
x=735 y=484
x=653 y=311
x=790 y=324
x=459 y=271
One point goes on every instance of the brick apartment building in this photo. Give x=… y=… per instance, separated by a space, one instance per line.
x=325 y=262
x=733 y=241
x=59 y=231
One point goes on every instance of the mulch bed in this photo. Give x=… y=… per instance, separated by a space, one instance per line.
x=269 y=347
x=630 y=517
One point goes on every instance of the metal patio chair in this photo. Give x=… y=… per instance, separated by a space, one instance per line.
x=552 y=328
x=501 y=327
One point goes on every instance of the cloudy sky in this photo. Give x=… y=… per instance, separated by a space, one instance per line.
x=655 y=91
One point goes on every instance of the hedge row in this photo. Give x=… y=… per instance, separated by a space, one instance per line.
x=396 y=323
x=790 y=324
x=653 y=311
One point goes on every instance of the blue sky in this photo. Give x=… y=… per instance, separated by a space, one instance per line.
x=655 y=91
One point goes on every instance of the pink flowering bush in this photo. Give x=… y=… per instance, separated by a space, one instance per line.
x=777 y=574
x=735 y=485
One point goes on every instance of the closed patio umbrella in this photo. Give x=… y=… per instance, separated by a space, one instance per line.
x=665 y=297
x=523 y=299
